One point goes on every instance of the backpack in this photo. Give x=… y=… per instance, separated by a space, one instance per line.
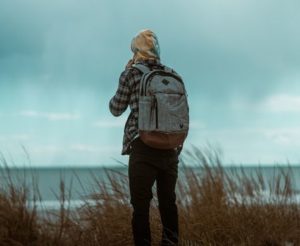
x=163 y=120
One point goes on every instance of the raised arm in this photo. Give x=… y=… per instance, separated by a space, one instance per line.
x=119 y=102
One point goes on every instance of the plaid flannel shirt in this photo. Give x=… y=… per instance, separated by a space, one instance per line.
x=128 y=94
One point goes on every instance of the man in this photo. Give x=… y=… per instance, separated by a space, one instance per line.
x=146 y=164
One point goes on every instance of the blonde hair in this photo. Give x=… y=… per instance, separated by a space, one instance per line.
x=145 y=46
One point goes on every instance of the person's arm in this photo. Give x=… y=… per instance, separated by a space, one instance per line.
x=119 y=102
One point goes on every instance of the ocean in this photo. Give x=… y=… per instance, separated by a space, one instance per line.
x=79 y=182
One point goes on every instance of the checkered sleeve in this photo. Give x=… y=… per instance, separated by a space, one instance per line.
x=119 y=102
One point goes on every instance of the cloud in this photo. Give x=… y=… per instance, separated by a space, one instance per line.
x=282 y=103
x=15 y=137
x=284 y=136
x=104 y=123
x=237 y=47
x=50 y=115
x=46 y=149
x=252 y=145
x=275 y=103
x=76 y=154
x=197 y=125
x=60 y=55
x=21 y=136
x=94 y=148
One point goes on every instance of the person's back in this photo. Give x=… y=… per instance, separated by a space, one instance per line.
x=146 y=164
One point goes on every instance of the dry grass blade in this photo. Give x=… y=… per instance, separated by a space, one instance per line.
x=217 y=206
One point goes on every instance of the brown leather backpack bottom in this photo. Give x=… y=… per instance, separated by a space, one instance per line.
x=161 y=140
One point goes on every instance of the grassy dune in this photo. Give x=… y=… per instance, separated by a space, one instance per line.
x=216 y=207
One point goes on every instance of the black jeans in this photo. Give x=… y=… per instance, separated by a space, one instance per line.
x=147 y=165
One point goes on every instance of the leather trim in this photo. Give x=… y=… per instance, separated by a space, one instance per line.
x=161 y=140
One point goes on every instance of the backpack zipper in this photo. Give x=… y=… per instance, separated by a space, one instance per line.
x=153 y=73
x=156 y=112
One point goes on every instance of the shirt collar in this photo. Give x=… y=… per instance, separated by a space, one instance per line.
x=150 y=61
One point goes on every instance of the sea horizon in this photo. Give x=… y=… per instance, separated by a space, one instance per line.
x=125 y=165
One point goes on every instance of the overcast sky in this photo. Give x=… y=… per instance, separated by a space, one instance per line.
x=60 y=61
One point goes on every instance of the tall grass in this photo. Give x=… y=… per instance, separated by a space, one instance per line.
x=216 y=207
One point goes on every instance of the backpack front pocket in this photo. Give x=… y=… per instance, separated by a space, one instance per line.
x=172 y=112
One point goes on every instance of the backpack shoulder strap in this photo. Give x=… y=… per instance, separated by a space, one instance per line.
x=144 y=69
x=168 y=69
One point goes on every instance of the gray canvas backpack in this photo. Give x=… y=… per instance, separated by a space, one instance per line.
x=163 y=119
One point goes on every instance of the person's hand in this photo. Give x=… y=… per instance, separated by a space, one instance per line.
x=129 y=64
